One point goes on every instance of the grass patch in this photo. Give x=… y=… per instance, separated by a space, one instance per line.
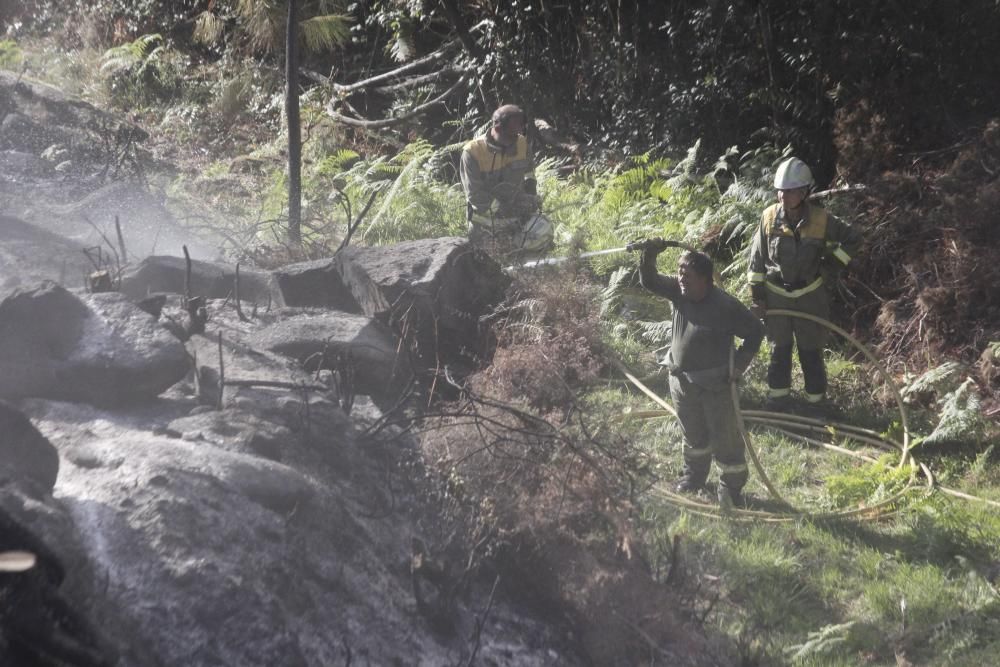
x=921 y=585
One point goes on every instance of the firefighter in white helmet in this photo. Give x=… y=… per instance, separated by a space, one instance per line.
x=498 y=174
x=794 y=239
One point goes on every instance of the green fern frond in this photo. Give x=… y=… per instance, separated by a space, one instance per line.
x=324 y=33
x=10 y=54
x=938 y=380
x=611 y=295
x=340 y=161
x=128 y=55
x=961 y=419
x=821 y=642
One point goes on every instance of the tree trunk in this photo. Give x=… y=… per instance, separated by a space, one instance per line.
x=294 y=127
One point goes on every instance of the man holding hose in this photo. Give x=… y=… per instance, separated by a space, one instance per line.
x=705 y=321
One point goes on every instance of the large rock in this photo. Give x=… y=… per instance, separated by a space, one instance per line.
x=315 y=284
x=100 y=349
x=204 y=557
x=343 y=342
x=18 y=164
x=212 y=280
x=30 y=254
x=34 y=115
x=434 y=291
x=25 y=454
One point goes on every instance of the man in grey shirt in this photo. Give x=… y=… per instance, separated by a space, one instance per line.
x=704 y=323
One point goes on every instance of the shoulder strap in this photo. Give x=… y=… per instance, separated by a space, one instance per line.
x=768 y=218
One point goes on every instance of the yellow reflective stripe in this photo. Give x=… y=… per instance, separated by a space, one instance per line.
x=814 y=398
x=490 y=160
x=842 y=256
x=756 y=278
x=779 y=393
x=692 y=453
x=794 y=294
x=732 y=469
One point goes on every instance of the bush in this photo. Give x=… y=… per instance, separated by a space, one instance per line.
x=142 y=72
x=550 y=345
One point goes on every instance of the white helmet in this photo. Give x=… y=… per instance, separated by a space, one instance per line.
x=793 y=173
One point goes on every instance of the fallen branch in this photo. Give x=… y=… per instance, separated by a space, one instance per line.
x=187 y=274
x=388 y=122
x=417 y=80
x=837 y=191
x=222 y=373
x=121 y=240
x=353 y=226
x=274 y=384
x=344 y=90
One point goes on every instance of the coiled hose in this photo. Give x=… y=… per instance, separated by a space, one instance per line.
x=807 y=430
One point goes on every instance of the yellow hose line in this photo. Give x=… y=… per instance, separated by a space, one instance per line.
x=734 y=393
x=872 y=512
x=875 y=362
x=775 y=424
x=788 y=424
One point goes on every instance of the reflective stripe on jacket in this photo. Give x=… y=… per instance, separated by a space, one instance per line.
x=493 y=177
x=790 y=257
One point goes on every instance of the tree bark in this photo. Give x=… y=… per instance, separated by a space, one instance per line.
x=294 y=126
x=454 y=14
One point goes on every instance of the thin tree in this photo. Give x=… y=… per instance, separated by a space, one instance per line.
x=260 y=28
x=294 y=126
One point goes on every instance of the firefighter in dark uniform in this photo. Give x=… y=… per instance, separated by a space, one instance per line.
x=794 y=239
x=705 y=321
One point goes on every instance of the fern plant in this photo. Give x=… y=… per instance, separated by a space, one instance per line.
x=260 y=24
x=141 y=72
x=960 y=419
x=10 y=54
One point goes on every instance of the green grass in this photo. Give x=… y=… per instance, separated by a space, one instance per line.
x=833 y=593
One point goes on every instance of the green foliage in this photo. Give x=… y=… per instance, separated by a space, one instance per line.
x=260 y=24
x=824 y=641
x=416 y=204
x=142 y=72
x=867 y=483
x=954 y=394
x=937 y=380
x=10 y=54
x=960 y=419
x=611 y=295
x=326 y=32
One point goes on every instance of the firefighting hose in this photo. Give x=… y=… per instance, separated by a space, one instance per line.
x=810 y=431
x=805 y=429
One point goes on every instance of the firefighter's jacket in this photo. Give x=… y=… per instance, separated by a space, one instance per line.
x=788 y=259
x=494 y=180
x=702 y=331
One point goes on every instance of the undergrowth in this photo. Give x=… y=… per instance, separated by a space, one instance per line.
x=533 y=458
